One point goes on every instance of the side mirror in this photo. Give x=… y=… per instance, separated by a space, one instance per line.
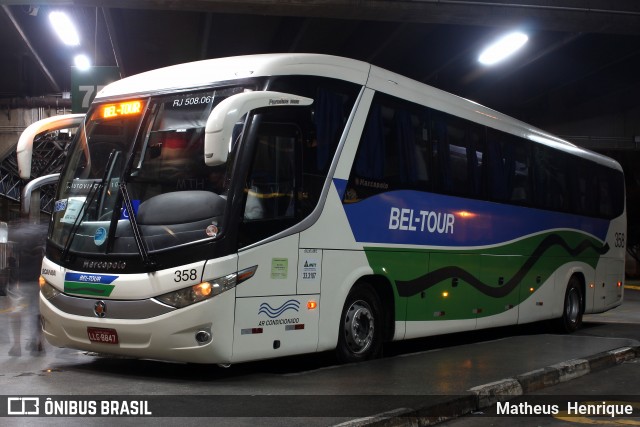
x=219 y=127
x=24 y=150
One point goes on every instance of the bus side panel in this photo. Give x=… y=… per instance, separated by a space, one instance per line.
x=332 y=229
x=608 y=284
x=498 y=305
x=610 y=270
x=442 y=297
x=277 y=263
x=275 y=326
x=538 y=299
x=309 y=271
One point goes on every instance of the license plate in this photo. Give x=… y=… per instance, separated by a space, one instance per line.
x=102 y=335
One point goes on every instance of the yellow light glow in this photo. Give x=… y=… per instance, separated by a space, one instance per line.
x=465 y=214
x=202 y=289
x=445 y=294
x=312 y=305
x=591 y=285
x=128 y=108
x=619 y=284
x=41 y=281
x=531 y=289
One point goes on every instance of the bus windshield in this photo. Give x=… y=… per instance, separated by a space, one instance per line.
x=142 y=158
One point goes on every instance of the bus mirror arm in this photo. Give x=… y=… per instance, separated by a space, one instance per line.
x=24 y=148
x=221 y=121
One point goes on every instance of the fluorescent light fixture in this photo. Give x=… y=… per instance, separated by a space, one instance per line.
x=82 y=62
x=503 y=48
x=64 y=28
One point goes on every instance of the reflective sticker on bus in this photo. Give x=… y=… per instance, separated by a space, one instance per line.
x=100 y=236
x=99 y=285
x=135 y=204
x=60 y=205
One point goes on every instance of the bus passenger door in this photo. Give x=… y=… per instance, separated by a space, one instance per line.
x=271 y=318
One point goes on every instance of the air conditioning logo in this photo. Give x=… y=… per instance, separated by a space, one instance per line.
x=272 y=313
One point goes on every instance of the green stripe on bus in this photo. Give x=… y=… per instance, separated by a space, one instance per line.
x=92 y=289
x=475 y=283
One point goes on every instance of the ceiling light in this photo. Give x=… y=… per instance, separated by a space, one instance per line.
x=503 y=48
x=64 y=28
x=82 y=62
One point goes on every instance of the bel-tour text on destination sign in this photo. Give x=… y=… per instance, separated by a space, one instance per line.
x=572 y=409
x=421 y=220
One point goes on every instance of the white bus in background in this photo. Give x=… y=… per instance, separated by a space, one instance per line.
x=253 y=207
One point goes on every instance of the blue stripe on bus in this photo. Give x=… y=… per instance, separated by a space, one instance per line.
x=419 y=218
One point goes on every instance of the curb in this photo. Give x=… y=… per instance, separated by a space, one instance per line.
x=483 y=396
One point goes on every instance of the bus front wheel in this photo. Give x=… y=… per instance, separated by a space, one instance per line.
x=360 y=326
x=572 y=310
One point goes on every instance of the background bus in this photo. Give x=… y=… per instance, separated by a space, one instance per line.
x=253 y=207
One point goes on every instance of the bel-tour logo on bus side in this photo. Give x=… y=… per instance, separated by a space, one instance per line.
x=414 y=220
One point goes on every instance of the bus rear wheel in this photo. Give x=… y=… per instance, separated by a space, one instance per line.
x=360 y=326
x=572 y=311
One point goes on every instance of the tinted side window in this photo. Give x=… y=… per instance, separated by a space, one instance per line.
x=508 y=168
x=393 y=152
x=551 y=180
x=610 y=192
x=457 y=155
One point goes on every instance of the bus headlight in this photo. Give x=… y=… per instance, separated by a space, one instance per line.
x=47 y=290
x=200 y=292
x=206 y=289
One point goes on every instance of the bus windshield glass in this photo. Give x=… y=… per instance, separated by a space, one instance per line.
x=142 y=158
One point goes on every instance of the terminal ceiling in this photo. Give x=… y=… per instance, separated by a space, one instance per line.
x=582 y=59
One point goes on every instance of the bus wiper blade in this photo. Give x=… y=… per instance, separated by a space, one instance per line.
x=91 y=196
x=137 y=235
x=81 y=214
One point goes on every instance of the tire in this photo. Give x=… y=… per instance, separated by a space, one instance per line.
x=360 y=336
x=573 y=307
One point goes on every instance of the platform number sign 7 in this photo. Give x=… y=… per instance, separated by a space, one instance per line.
x=85 y=85
x=88 y=92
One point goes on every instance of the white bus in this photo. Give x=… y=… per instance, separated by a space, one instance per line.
x=253 y=207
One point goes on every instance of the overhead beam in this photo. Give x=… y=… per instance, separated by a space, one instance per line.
x=113 y=37
x=599 y=16
x=47 y=73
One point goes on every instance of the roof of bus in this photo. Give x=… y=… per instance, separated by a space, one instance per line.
x=206 y=72
x=209 y=71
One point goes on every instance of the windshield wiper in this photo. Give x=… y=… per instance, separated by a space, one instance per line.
x=137 y=235
x=91 y=196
